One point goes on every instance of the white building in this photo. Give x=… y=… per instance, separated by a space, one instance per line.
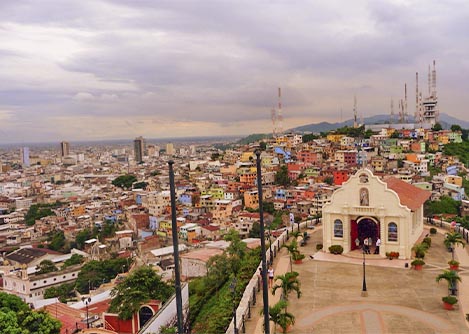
x=367 y=207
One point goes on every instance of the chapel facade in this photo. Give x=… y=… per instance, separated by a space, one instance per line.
x=368 y=207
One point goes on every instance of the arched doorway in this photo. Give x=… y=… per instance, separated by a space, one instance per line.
x=364 y=227
x=144 y=315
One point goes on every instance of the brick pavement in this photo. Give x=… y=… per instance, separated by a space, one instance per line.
x=400 y=300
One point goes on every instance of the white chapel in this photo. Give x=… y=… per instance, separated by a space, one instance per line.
x=368 y=207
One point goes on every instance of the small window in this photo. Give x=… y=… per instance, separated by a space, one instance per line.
x=338 y=229
x=392 y=232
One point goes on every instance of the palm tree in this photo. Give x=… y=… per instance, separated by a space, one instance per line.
x=451 y=277
x=286 y=319
x=420 y=250
x=452 y=239
x=292 y=248
x=288 y=283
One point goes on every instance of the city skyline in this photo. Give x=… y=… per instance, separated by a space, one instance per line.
x=122 y=69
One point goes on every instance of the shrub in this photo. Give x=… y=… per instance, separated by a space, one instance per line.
x=450 y=300
x=319 y=247
x=417 y=262
x=336 y=249
x=453 y=263
x=432 y=230
x=297 y=256
x=427 y=241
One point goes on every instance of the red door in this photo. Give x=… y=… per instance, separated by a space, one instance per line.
x=353 y=233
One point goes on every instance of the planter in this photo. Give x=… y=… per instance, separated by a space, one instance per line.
x=298 y=261
x=418 y=266
x=448 y=306
x=454 y=266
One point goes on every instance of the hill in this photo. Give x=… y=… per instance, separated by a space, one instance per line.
x=445 y=120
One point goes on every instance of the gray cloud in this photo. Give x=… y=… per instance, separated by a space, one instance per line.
x=215 y=65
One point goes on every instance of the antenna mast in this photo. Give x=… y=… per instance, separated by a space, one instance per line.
x=392 y=111
x=355 y=123
x=279 y=114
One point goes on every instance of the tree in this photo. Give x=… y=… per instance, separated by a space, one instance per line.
x=275 y=311
x=451 y=277
x=437 y=127
x=452 y=239
x=139 y=287
x=281 y=177
x=57 y=241
x=456 y=127
x=236 y=250
x=82 y=236
x=263 y=145
x=140 y=185
x=46 y=266
x=288 y=283
x=420 y=250
x=94 y=273
x=17 y=318
x=124 y=181
x=255 y=231
x=75 y=259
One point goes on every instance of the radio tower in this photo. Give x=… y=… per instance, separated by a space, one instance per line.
x=355 y=121
x=405 y=104
x=437 y=111
x=279 y=113
x=273 y=116
x=391 y=120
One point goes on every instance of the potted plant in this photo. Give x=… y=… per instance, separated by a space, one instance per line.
x=451 y=277
x=452 y=240
x=336 y=249
x=420 y=249
x=417 y=264
x=298 y=257
x=392 y=255
x=453 y=264
x=448 y=302
x=285 y=320
x=432 y=231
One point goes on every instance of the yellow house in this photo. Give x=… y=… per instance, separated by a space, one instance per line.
x=78 y=211
x=334 y=137
x=247 y=156
x=251 y=199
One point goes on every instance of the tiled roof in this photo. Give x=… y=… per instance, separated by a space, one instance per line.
x=409 y=195
x=26 y=255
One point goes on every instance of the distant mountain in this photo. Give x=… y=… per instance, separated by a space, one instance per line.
x=445 y=120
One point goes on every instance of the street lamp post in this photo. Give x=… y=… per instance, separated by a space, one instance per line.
x=364 y=291
x=317 y=209
x=87 y=301
x=233 y=290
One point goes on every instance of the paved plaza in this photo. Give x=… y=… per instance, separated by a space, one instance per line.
x=399 y=300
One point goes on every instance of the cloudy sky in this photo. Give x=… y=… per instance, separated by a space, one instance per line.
x=96 y=69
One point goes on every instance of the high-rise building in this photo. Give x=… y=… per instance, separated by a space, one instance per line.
x=169 y=149
x=25 y=156
x=139 y=148
x=64 y=149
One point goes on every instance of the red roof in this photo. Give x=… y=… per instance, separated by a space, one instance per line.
x=409 y=195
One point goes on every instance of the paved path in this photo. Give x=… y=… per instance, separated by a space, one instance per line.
x=400 y=300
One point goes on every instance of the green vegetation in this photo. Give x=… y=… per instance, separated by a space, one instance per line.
x=288 y=283
x=460 y=150
x=309 y=137
x=279 y=316
x=46 y=266
x=63 y=292
x=139 y=287
x=38 y=211
x=17 y=318
x=140 y=185
x=124 y=181
x=281 y=177
x=437 y=127
x=444 y=205
x=94 y=273
x=75 y=259
x=452 y=239
x=451 y=277
x=420 y=250
x=253 y=138
x=107 y=230
x=57 y=242
x=336 y=249
x=211 y=300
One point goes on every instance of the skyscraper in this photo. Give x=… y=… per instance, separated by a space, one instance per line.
x=64 y=149
x=25 y=156
x=139 y=148
x=169 y=149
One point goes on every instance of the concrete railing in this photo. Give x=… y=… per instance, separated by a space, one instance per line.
x=243 y=312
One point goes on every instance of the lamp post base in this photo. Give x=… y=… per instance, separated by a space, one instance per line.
x=364 y=293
